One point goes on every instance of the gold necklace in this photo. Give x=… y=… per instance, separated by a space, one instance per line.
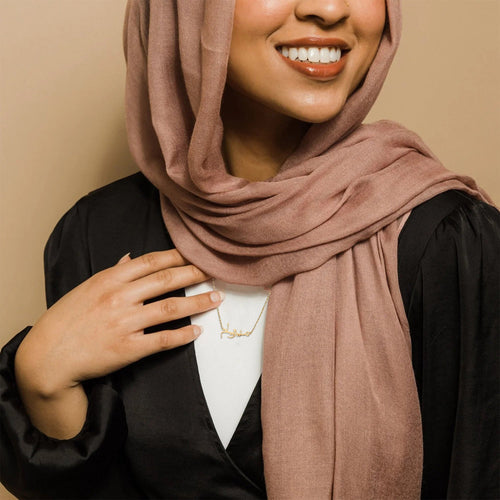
x=238 y=333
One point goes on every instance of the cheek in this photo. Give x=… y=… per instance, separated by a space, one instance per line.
x=254 y=23
x=370 y=18
x=258 y=17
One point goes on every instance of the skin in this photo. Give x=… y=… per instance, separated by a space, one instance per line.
x=98 y=327
x=279 y=103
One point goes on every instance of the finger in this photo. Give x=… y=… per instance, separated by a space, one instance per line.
x=149 y=263
x=172 y=308
x=164 y=281
x=125 y=258
x=152 y=343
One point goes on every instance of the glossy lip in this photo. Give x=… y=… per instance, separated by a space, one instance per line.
x=318 y=71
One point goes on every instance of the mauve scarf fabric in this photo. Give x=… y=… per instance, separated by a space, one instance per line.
x=340 y=411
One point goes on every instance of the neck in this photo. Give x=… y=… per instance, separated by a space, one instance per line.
x=257 y=140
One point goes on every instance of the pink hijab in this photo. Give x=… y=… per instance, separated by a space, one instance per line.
x=340 y=411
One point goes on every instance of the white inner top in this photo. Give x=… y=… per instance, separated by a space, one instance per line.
x=229 y=367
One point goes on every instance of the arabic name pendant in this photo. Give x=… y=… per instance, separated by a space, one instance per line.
x=234 y=333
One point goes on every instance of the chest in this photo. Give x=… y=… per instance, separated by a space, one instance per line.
x=173 y=448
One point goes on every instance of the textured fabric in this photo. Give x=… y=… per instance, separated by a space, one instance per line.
x=452 y=350
x=340 y=410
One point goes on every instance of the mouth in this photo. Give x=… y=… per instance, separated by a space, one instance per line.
x=315 y=57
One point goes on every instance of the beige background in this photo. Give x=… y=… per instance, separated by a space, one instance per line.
x=62 y=128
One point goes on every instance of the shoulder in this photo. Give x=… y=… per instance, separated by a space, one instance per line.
x=123 y=207
x=450 y=227
x=120 y=217
x=128 y=193
x=454 y=210
x=114 y=201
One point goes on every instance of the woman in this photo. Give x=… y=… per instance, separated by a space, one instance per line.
x=246 y=118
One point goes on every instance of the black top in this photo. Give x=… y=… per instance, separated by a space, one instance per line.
x=148 y=431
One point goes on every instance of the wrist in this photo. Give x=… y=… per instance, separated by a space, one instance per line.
x=32 y=379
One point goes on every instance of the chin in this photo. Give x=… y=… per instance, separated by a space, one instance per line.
x=316 y=111
x=319 y=119
x=317 y=114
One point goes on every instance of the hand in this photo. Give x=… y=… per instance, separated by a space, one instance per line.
x=98 y=327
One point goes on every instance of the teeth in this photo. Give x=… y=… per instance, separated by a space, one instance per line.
x=335 y=55
x=323 y=55
x=313 y=54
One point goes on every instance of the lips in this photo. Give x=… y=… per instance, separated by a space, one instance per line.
x=320 y=58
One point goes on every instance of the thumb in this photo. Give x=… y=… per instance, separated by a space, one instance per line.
x=125 y=258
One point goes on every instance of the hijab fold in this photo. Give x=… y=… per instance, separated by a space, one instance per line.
x=340 y=411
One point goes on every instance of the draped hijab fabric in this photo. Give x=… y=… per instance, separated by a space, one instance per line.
x=340 y=411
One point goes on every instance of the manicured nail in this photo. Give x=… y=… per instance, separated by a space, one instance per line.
x=124 y=257
x=198 y=330
x=217 y=296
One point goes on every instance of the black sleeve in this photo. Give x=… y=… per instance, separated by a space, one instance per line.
x=66 y=256
x=89 y=465
x=453 y=312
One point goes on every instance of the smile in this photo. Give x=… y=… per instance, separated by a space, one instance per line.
x=312 y=61
x=322 y=55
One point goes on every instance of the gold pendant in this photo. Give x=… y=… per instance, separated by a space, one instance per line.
x=233 y=333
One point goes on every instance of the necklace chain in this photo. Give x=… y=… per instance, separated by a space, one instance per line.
x=234 y=332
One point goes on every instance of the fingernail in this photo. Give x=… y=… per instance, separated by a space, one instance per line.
x=198 y=330
x=217 y=296
x=124 y=257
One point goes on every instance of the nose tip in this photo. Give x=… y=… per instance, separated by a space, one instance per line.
x=323 y=12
